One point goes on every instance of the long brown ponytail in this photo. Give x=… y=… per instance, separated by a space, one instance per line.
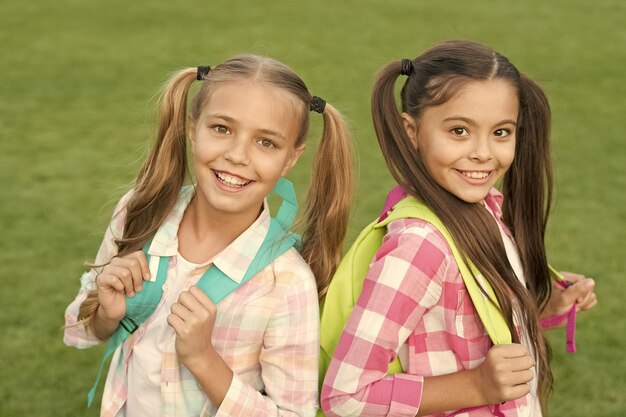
x=163 y=173
x=437 y=74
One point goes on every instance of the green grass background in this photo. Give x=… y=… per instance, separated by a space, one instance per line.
x=76 y=81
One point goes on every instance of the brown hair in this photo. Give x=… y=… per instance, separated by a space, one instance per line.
x=527 y=186
x=162 y=175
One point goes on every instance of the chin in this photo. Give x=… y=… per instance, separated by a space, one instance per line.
x=472 y=198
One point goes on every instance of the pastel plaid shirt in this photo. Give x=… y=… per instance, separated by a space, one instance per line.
x=267 y=330
x=415 y=306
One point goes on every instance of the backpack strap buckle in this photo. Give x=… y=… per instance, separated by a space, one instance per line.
x=129 y=325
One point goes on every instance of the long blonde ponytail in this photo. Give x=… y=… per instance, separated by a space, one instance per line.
x=329 y=199
x=159 y=181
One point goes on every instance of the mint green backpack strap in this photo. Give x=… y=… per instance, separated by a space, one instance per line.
x=139 y=309
x=214 y=282
x=484 y=299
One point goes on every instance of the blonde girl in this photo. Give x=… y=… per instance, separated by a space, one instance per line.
x=256 y=351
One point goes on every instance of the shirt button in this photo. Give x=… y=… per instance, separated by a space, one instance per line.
x=164 y=287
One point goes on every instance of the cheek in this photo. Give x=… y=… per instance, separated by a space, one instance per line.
x=269 y=164
x=442 y=155
x=507 y=155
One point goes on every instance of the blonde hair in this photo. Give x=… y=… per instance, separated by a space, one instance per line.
x=156 y=189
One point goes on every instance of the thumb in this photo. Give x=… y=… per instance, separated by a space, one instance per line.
x=578 y=290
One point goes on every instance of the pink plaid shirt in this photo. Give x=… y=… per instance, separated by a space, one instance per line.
x=267 y=331
x=414 y=306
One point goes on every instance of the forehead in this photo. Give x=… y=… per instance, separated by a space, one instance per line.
x=243 y=96
x=480 y=100
x=255 y=105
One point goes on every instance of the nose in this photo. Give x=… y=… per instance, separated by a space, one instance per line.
x=237 y=151
x=481 y=149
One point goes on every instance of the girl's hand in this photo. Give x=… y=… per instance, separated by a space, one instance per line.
x=193 y=318
x=505 y=374
x=580 y=292
x=122 y=277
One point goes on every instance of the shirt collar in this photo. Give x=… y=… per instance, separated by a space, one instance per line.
x=235 y=259
x=494 y=201
x=165 y=241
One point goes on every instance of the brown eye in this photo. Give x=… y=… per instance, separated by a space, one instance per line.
x=502 y=132
x=459 y=131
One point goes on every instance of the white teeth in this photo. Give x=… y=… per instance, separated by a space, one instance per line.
x=232 y=181
x=475 y=174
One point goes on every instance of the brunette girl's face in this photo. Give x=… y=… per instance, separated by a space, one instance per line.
x=468 y=142
x=243 y=141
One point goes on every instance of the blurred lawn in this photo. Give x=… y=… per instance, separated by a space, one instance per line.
x=75 y=118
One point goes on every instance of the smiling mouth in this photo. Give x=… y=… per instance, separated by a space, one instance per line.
x=231 y=180
x=475 y=175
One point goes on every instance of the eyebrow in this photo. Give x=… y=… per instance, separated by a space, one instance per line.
x=263 y=131
x=473 y=123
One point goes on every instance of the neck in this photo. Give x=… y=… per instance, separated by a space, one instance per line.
x=203 y=232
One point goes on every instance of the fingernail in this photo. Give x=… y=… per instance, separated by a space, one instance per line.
x=146 y=275
x=131 y=295
x=139 y=288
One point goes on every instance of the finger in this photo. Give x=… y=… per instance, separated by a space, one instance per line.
x=518 y=391
x=109 y=281
x=522 y=377
x=181 y=311
x=175 y=323
x=587 y=303
x=202 y=298
x=140 y=257
x=585 y=300
x=125 y=276
x=522 y=363
x=190 y=301
x=592 y=305
x=578 y=291
x=590 y=286
x=133 y=266
x=513 y=350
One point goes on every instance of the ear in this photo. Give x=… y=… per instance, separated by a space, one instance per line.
x=191 y=132
x=410 y=127
x=293 y=159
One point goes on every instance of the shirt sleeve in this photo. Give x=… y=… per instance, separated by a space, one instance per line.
x=403 y=282
x=75 y=334
x=288 y=359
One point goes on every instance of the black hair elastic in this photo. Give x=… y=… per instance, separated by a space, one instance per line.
x=407 y=67
x=203 y=71
x=317 y=104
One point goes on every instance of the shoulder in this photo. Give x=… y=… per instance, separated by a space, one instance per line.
x=414 y=255
x=411 y=236
x=290 y=270
x=119 y=213
x=290 y=286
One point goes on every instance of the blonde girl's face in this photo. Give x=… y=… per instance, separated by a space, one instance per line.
x=243 y=141
x=468 y=143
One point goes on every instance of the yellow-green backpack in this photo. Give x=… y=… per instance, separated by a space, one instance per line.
x=347 y=284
